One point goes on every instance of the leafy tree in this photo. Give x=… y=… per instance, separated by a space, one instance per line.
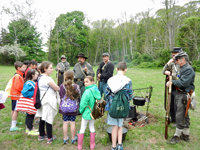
x=69 y=35
x=14 y=50
x=26 y=34
x=189 y=36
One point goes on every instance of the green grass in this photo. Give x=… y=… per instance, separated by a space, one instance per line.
x=149 y=137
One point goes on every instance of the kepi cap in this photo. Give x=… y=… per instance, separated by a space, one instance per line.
x=177 y=50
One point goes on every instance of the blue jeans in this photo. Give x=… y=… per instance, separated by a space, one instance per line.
x=103 y=89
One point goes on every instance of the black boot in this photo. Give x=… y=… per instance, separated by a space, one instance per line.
x=185 y=137
x=174 y=140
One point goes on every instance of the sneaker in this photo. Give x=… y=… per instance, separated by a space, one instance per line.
x=26 y=132
x=174 y=140
x=35 y=129
x=114 y=148
x=15 y=129
x=32 y=132
x=49 y=141
x=184 y=137
x=41 y=138
x=119 y=146
x=74 y=140
x=65 y=141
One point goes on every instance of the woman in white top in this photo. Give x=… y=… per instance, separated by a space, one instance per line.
x=48 y=109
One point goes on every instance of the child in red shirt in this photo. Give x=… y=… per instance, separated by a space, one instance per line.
x=17 y=86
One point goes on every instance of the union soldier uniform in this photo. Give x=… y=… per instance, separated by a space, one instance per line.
x=183 y=86
x=64 y=66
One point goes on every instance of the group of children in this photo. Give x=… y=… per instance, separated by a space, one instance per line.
x=67 y=90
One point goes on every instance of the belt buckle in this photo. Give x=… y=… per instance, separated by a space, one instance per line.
x=78 y=79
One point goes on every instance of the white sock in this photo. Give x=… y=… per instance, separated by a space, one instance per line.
x=13 y=124
x=178 y=132
x=186 y=131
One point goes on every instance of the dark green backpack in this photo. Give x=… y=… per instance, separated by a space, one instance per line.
x=119 y=107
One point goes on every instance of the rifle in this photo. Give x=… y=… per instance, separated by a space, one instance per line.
x=167 y=121
x=188 y=103
x=165 y=96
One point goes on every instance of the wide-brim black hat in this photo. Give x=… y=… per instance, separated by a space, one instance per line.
x=176 y=50
x=81 y=55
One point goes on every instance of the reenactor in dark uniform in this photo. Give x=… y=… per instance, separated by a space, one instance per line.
x=171 y=66
x=184 y=86
x=81 y=70
x=61 y=68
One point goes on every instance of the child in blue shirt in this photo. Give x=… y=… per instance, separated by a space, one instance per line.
x=28 y=91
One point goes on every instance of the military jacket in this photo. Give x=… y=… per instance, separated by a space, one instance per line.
x=79 y=73
x=186 y=80
x=64 y=66
x=174 y=68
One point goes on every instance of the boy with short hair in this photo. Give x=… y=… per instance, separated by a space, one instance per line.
x=32 y=65
x=17 y=86
x=115 y=84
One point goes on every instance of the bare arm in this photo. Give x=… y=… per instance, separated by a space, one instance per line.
x=54 y=86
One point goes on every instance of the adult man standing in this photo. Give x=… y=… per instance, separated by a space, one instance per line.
x=61 y=68
x=173 y=68
x=105 y=71
x=81 y=70
x=184 y=86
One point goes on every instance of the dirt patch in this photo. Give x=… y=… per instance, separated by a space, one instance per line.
x=140 y=121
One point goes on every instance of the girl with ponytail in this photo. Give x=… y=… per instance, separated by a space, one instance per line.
x=69 y=90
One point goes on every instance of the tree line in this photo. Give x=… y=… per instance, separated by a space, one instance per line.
x=144 y=39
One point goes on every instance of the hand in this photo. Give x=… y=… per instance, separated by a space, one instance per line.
x=170 y=61
x=167 y=84
x=167 y=73
x=58 y=68
x=86 y=69
x=98 y=79
x=99 y=75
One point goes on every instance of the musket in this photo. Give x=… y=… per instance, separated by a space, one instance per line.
x=188 y=103
x=165 y=96
x=167 y=120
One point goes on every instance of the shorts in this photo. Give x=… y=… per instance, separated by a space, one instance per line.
x=69 y=118
x=14 y=104
x=114 y=121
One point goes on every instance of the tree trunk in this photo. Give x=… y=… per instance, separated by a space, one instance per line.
x=95 y=60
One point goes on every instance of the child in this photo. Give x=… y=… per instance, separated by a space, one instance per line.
x=48 y=109
x=28 y=91
x=32 y=65
x=17 y=86
x=115 y=84
x=72 y=91
x=88 y=99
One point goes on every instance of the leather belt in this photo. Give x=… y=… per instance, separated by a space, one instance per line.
x=78 y=80
x=180 y=91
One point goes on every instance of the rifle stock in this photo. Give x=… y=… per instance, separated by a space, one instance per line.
x=188 y=103
x=167 y=121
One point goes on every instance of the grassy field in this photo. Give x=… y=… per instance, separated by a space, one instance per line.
x=149 y=137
